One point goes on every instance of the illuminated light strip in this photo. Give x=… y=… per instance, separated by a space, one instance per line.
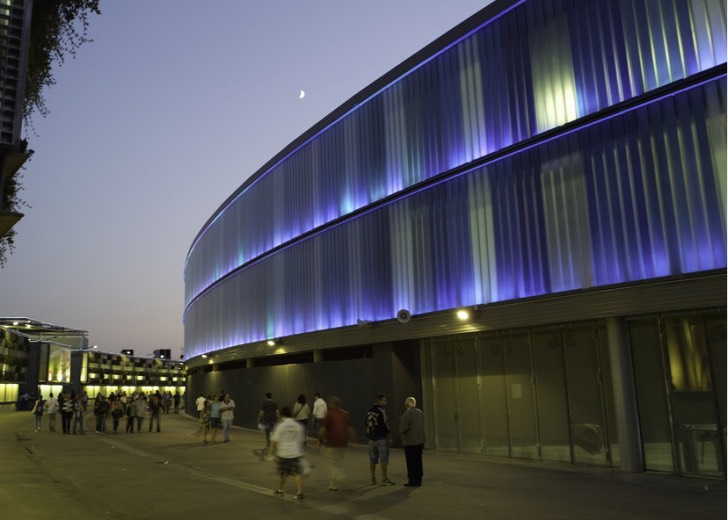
x=537 y=141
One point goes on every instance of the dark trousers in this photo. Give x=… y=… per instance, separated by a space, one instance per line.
x=66 y=418
x=413 y=459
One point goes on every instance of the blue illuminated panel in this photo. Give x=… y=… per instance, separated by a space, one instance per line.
x=636 y=195
x=534 y=68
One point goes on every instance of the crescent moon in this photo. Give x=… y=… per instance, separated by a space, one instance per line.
x=301 y=95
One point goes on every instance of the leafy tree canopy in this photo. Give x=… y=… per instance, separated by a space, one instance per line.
x=58 y=28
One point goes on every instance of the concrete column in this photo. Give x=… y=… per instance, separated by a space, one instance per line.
x=625 y=397
x=249 y=363
x=318 y=356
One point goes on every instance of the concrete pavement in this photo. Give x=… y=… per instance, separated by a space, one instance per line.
x=173 y=475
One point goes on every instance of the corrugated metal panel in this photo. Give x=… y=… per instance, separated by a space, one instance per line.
x=528 y=70
x=627 y=194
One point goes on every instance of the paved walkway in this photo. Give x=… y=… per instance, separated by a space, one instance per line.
x=173 y=475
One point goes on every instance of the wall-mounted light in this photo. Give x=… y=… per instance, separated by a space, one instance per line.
x=271 y=342
x=204 y=356
x=462 y=314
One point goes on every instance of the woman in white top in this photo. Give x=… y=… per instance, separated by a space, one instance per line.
x=301 y=412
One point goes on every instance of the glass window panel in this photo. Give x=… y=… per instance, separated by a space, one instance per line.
x=651 y=397
x=553 y=418
x=584 y=394
x=446 y=411
x=693 y=400
x=610 y=433
x=519 y=391
x=493 y=395
x=466 y=356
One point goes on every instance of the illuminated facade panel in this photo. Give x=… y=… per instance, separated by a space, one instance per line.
x=632 y=197
x=532 y=68
x=553 y=170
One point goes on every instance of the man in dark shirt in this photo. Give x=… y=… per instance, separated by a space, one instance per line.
x=268 y=416
x=412 y=430
x=380 y=439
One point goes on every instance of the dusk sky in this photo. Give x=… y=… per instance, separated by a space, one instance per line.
x=157 y=121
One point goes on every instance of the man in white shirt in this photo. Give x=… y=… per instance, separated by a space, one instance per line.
x=51 y=406
x=200 y=404
x=287 y=440
x=319 y=412
x=226 y=416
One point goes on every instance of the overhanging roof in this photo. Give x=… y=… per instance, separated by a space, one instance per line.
x=31 y=327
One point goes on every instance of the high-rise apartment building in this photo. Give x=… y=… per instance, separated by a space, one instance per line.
x=15 y=17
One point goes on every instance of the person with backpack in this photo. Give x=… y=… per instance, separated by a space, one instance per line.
x=377 y=431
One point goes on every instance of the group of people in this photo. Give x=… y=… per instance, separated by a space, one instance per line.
x=70 y=406
x=286 y=432
x=214 y=412
x=116 y=406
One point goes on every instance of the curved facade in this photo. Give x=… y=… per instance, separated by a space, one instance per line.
x=554 y=147
x=557 y=168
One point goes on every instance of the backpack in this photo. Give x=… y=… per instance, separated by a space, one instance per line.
x=371 y=426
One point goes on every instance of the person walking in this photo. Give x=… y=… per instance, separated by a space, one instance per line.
x=214 y=417
x=226 y=416
x=301 y=412
x=205 y=420
x=319 y=412
x=131 y=413
x=155 y=411
x=101 y=410
x=334 y=435
x=200 y=404
x=141 y=410
x=37 y=411
x=51 y=408
x=380 y=439
x=268 y=416
x=412 y=431
x=117 y=411
x=66 y=406
x=79 y=414
x=287 y=444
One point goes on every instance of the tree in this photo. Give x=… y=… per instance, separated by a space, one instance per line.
x=57 y=29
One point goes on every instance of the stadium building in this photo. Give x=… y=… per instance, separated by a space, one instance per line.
x=522 y=225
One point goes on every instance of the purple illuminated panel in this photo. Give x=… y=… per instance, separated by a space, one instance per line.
x=486 y=91
x=604 y=204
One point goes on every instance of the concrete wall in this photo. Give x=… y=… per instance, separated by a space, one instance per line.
x=393 y=370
